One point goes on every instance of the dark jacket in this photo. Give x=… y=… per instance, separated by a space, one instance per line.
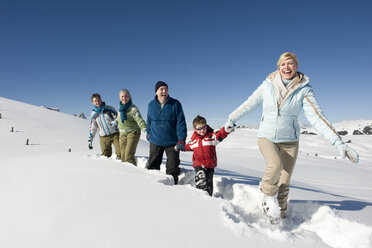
x=165 y=125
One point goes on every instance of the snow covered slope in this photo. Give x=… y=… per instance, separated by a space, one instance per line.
x=50 y=197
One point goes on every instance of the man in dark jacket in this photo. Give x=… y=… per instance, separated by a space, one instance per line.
x=166 y=127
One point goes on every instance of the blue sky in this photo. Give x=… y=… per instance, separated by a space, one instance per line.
x=212 y=54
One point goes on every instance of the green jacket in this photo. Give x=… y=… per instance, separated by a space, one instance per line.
x=133 y=122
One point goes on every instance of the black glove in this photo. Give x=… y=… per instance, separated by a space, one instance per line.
x=90 y=141
x=180 y=146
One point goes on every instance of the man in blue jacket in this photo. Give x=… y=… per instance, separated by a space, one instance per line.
x=166 y=127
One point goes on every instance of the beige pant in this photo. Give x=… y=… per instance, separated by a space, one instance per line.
x=280 y=161
x=106 y=144
x=128 y=146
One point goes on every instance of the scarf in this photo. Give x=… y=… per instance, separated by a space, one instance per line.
x=280 y=89
x=123 y=109
x=100 y=109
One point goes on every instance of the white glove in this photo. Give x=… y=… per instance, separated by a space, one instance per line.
x=229 y=126
x=345 y=151
x=114 y=123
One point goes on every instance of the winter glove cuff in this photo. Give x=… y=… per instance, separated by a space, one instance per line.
x=341 y=148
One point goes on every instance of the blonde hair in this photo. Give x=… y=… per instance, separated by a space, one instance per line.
x=126 y=91
x=286 y=56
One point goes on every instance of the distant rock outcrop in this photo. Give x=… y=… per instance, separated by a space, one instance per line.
x=342 y=132
x=54 y=109
x=81 y=115
x=357 y=132
x=308 y=133
x=367 y=129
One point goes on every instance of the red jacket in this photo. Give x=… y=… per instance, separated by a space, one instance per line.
x=204 y=147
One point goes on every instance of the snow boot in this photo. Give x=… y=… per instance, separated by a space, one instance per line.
x=270 y=207
x=282 y=214
x=175 y=177
x=283 y=199
x=200 y=179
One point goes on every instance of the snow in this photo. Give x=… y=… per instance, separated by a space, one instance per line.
x=51 y=197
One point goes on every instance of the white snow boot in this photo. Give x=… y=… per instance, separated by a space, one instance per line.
x=270 y=207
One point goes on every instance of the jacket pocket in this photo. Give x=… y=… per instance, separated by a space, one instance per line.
x=287 y=129
x=267 y=127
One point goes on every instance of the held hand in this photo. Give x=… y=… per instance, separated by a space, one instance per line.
x=230 y=129
x=346 y=151
x=180 y=146
x=229 y=126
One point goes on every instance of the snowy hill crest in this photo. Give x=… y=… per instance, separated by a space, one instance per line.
x=53 y=198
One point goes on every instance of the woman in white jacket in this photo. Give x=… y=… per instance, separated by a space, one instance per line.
x=283 y=94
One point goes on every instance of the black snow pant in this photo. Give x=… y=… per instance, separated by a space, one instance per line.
x=156 y=157
x=204 y=179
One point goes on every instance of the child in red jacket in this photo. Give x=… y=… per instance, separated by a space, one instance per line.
x=203 y=143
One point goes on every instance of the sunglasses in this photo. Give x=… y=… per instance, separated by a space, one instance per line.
x=201 y=128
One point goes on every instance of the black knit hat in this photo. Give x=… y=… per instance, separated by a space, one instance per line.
x=159 y=84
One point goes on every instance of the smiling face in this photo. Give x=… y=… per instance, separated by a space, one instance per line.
x=288 y=68
x=124 y=97
x=97 y=101
x=162 y=94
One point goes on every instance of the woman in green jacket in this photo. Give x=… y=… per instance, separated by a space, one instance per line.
x=130 y=124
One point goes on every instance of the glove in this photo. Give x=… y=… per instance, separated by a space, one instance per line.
x=230 y=129
x=345 y=151
x=229 y=126
x=90 y=145
x=114 y=123
x=180 y=146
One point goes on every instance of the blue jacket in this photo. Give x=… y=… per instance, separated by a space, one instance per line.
x=279 y=123
x=166 y=125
